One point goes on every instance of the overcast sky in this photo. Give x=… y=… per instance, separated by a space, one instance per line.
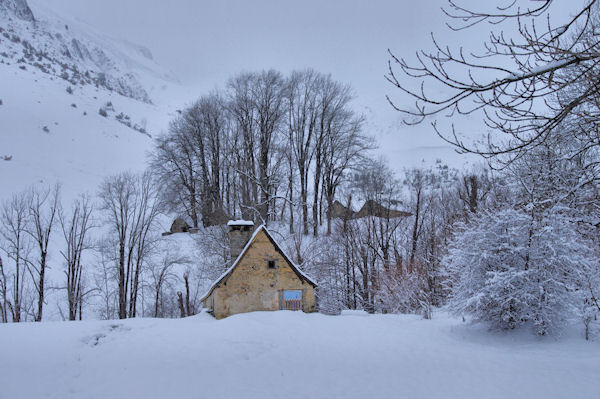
x=204 y=43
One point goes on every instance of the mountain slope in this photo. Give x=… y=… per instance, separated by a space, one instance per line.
x=72 y=51
x=50 y=135
x=17 y=8
x=55 y=76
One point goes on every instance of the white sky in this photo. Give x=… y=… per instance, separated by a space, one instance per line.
x=205 y=42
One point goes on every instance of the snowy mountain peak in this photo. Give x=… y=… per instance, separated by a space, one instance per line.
x=16 y=8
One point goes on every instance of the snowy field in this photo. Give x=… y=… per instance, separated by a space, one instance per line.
x=290 y=355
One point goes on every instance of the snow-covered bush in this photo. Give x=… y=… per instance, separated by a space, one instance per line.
x=404 y=291
x=512 y=269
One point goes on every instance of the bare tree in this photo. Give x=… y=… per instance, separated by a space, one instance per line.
x=241 y=106
x=189 y=159
x=3 y=294
x=175 y=165
x=163 y=275
x=131 y=205
x=333 y=100
x=344 y=149
x=44 y=205
x=149 y=206
x=302 y=126
x=206 y=124
x=417 y=184
x=268 y=94
x=291 y=180
x=526 y=85
x=117 y=196
x=75 y=228
x=104 y=277
x=233 y=154
x=257 y=109
x=16 y=244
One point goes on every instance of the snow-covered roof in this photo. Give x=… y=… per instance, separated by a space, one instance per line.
x=240 y=222
x=262 y=227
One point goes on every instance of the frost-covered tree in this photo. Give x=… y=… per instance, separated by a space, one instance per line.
x=512 y=268
x=534 y=260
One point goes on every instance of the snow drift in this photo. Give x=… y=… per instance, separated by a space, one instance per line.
x=289 y=355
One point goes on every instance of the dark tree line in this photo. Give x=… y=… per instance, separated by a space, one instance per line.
x=268 y=147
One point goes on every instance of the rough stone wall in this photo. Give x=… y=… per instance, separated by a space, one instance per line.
x=253 y=286
x=238 y=239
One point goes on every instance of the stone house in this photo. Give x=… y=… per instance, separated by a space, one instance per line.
x=261 y=277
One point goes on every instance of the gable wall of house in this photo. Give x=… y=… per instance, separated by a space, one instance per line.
x=253 y=286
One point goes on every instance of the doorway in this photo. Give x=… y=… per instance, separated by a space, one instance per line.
x=292 y=300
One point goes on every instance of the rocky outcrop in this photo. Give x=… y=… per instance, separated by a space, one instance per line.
x=17 y=8
x=79 y=59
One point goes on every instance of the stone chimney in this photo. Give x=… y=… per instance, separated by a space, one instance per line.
x=240 y=232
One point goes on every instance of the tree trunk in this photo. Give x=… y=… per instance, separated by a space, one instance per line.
x=415 y=232
x=188 y=311
x=317 y=184
x=291 y=198
x=303 y=199
x=40 y=305
x=328 y=213
x=157 y=298
x=180 y=302
x=122 y=289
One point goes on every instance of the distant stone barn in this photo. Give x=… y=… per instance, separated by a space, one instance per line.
x=262 y=276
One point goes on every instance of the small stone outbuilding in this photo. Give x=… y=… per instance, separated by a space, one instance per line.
x=262 y=276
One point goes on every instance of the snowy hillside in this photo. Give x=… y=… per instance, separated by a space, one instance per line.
x=75 y=107
x=56 y=76
x=72 y=51
x=290 y=355
x=16 y=8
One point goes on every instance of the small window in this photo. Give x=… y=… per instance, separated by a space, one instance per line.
x=271 y=264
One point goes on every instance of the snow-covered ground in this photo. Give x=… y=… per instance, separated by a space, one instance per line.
x=53 y=136
x=290 y=355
